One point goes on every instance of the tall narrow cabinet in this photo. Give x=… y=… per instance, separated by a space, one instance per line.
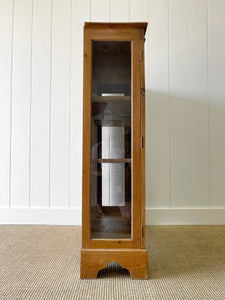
x=113 y=207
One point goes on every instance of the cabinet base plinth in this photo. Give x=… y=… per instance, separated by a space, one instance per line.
x=94 y=260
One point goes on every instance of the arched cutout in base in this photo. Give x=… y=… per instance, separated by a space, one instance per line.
x=95 y=260
x=113 y=269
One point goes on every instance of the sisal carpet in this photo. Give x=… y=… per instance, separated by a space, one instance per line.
x=42 y=262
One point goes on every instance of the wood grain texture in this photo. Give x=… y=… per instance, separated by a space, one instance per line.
x=110 y=98
x=143 y=161
x=125 y=35
x=115 y=25
x=134 y=260
x=111 y=160
x=112 y=34
x=136 y=147
x=86 y=170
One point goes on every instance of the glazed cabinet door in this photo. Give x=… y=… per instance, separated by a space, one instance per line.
x=112 y=139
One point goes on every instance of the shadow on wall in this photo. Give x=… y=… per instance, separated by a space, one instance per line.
x=185 y=139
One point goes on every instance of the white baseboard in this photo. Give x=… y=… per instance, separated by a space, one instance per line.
x=40 y=216
x=72 y=216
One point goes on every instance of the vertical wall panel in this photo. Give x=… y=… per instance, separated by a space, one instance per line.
x=21 y=103
x=216 y=26
x=6 y=20
x=100 y=10
x=198 y=97
x=120 y=11
x=138 y=10
x=179 y=104
x=41 y=99
x=40 y=102
x=60 y=104
x=158 y=113
x=80 y=14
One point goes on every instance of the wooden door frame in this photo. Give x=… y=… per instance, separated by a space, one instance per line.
x=142 y=76
x=132 y=35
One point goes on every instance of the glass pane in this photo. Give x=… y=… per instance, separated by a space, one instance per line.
x=111 y=140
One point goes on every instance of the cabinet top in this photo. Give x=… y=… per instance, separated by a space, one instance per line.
x=109 y=25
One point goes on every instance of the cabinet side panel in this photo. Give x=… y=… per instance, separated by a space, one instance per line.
x=86 y=183
x=136 y=135
x=143 y=145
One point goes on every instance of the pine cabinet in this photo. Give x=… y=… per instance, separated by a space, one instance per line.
x=113 y=204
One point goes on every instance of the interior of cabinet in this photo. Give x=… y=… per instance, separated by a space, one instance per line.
x=111 y=140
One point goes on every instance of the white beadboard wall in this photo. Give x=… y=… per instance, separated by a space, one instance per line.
x=41 y=108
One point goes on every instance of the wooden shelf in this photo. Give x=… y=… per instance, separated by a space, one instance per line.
x=114 y=123
x=111 y=160
x=110 y=98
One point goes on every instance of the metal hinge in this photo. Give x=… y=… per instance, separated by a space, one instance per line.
x=141 y=142
x=142 y=91
x=142 y=231
x=141 y=55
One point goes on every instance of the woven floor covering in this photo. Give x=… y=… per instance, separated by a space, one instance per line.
x=42 y=262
